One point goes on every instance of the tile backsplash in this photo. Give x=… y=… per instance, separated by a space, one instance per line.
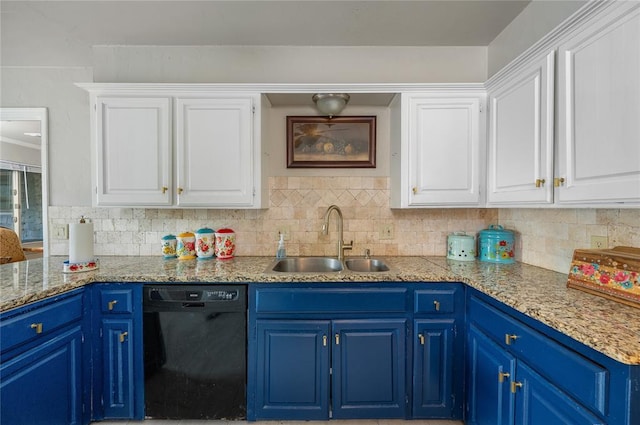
x=544 y=237
x=297 y=207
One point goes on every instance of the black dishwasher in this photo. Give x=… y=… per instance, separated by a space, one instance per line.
x=195 y=339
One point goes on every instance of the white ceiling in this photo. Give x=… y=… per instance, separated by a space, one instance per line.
x=50 y=26
x=14 y=132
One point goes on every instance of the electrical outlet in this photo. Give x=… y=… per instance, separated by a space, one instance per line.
x=60 y=231
x=285 y=231
x=386 y=231
x=599 y=242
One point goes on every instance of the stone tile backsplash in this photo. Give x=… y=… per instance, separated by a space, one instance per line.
x=544 y=237
x=297 y=206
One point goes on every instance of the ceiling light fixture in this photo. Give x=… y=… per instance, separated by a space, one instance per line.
x=330 y=103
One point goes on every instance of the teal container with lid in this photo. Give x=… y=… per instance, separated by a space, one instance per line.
x=496 y=245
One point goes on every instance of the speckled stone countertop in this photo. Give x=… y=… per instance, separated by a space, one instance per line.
x=609 y=327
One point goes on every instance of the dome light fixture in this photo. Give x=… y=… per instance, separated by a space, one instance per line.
x=330 y=103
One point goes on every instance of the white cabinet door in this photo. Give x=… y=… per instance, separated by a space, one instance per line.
x=441 y=158
x=214 y=149
x=133 y=158
x=599 y=110
x=521 y=136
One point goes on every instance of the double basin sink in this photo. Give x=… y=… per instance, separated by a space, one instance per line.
x=328 y=265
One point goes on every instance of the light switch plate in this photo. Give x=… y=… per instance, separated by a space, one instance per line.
x=599 y=242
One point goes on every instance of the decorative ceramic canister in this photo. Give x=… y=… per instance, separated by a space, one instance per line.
x=169 y=243
x=205 y=240
x=461 y=247
x=496 y=245
x=186 y=248
x=225 y=243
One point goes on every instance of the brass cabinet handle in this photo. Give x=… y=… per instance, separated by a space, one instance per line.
x=540 y=182
x=180 y=190
x=37 y=327
x=414 y=190
x=502 y=376
x=337 y=339
x=436 y=304
x=421 y=338
x=164 y=189
x=324 y=340
x=123 y=335
x=509 y=338
x=515 y=385
x=112 y=304
x=558 y=181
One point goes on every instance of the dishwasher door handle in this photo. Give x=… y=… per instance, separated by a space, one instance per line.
x=192 y=305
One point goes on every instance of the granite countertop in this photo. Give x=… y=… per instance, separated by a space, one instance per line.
x=604 y=325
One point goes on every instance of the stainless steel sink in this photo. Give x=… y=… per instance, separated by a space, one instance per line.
x=366 y=265
x=308 y=265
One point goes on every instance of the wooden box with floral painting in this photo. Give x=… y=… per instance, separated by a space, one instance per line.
x=610 y=273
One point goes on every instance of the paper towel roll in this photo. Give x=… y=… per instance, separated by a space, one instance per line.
x=81 y=242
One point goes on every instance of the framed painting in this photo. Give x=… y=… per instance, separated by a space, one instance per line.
x=338 y=142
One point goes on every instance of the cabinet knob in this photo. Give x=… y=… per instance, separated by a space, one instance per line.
x=164 y=189
x=37 y=327
x=180 y=190
x=502 y=376
x=421 y=338
x=436 y=304
x=509 y=338
x=540 y=182
x=558 y=181
x=414 y=190
x=123 y=336
x=515 y=385
x=112 y=304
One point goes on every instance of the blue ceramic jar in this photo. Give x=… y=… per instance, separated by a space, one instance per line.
x=496 y=245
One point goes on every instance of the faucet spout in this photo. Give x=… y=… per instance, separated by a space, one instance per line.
x=325 y=230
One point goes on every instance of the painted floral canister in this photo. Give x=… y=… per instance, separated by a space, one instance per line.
x=186 y=248
x=225 y=244
x=205 y=241
x=496 y=245
x=169 y=244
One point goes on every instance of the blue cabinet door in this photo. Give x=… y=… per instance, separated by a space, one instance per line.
x=368 y=362
x=118 y=374
x=117 y=355
x=436 y=362
x=292 y=379
x=537 y=401
x=490 y=370
x=43 y=385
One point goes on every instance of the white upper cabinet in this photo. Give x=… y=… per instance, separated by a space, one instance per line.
x=520 y=146
x=599 y=110
x=436 y=150
x=133 y=151
x=174 y=146
x=214 y=155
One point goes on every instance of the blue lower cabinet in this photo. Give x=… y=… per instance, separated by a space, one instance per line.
x=436 y=360
x=521 y=372
x=292 y=379
x=490 y=368
x=369 y=368
x=296 y=380
x=117 y=375
x=43 y=385
x=43 y=369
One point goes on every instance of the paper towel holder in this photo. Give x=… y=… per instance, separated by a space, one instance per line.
x=85 y=265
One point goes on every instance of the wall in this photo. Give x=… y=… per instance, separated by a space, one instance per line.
x=548 y=237
x=536 y=20
x=297 y=206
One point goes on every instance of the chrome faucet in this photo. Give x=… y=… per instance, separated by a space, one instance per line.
x=325 y=231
